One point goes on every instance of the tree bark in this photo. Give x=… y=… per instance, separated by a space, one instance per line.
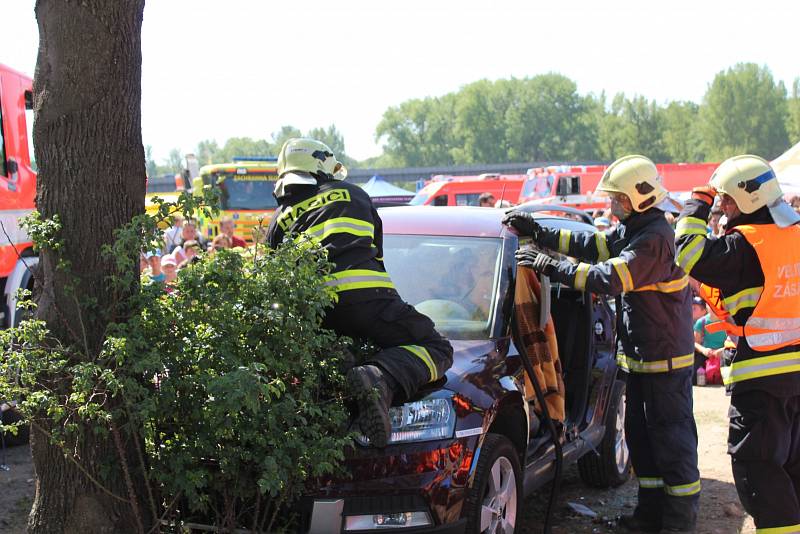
x=88 y=144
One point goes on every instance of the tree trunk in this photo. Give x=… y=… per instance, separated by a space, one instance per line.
x=88 y=144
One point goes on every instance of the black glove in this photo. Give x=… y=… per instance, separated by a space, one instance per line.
x=523 y=223
x=541 y=263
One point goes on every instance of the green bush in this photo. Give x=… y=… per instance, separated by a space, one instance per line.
x=234 y=384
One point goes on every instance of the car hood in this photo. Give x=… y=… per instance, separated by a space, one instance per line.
x=477 y=367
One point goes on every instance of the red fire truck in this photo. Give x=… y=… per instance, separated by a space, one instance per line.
x=575 y=185
x=17 y=189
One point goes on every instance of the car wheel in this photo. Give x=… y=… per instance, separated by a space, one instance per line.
x=612 y=465
x=493 y=501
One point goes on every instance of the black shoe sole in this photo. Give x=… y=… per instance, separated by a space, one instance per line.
x=373 y=418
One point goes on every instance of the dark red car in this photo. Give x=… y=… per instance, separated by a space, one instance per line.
x=466 y=451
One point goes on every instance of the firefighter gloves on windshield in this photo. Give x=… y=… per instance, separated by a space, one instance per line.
x=704 y=193
x=374 y=397
x=523 y=223
x=541 y=263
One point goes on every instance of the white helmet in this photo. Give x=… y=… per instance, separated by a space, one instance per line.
x=300 y=158
x=752 y=184
x=637 y=177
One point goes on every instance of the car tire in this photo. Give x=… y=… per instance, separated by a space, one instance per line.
x=611 y=465
x=493 y=501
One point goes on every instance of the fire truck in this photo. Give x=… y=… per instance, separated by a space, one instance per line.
x=245 y=189
x=575 y=185
x=17 y=189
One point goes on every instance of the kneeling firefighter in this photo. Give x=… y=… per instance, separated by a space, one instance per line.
x=754 y=268
x=636 y=263
x=315 y=201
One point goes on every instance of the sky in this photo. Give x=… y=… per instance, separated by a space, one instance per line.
x=217 y=69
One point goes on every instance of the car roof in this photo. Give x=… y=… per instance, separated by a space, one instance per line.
x=466 y=221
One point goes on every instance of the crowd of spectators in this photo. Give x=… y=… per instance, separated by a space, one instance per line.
x=184 y=245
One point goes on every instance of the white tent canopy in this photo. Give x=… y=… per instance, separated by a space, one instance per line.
x=787 y=168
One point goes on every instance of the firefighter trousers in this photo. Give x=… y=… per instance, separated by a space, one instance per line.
x=764 y=444
x=412 y=351
x=662 y=440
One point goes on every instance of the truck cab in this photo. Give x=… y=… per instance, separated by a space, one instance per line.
x=17 y=189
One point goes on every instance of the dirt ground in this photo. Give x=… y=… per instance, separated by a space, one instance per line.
x=720 y=512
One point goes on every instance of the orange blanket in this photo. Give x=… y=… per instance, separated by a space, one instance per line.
x=540 y=345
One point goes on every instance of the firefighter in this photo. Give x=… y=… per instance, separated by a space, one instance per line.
x=315 y=202
x=636 y=263
x=755 y=268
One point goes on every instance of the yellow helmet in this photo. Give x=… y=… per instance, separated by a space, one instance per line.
x=752 y=184
x=637 y=177
x=309 y=156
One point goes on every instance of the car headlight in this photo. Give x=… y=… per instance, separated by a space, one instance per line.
x=424 y=420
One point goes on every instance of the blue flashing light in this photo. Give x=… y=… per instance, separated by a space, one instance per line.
x=238 y=159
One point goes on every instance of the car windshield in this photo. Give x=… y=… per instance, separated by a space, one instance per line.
x=452 y=280
x=246 y=192
x=419 y=199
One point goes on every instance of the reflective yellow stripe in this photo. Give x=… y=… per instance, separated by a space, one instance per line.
x=423 y=354
x=760 y=367
x=691 y=226
x=746 y=298
x=341 y=225
x=624 y=274
x=580 y=276
x=658 y=366
x=666 y=287
x=690 y=254
x=651 y=482
x=683 y=490
x=358 y=279
x=602 y=246
x=791 y=529
x=563 y=241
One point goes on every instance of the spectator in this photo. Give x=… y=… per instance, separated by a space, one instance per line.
x=154 y=260
x=221 y=241
x=188 y=233
x=709 y=344
x=173 y=233
x=142 y=263
x=226 y=227
x=486 y=200
x=794 y=202
x=170 y=268
x=191 y=252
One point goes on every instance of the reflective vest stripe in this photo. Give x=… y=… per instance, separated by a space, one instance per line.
x=791 y=529
x=690 y=255
x=775 y=323
x=580 y=276
x=746 y=298
x=683 y=490
x=423 y=354
x=563 y=241
x=666 y=287
x=769 y=339
x=602 y=246
x=341 y=225
x=651 y=482
x=624 y=274
x=358 y=279
x=658 y=366
x=691 y=226
x=760 y=367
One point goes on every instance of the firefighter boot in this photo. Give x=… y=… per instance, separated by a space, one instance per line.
x=374 y=398
x=632 y=523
